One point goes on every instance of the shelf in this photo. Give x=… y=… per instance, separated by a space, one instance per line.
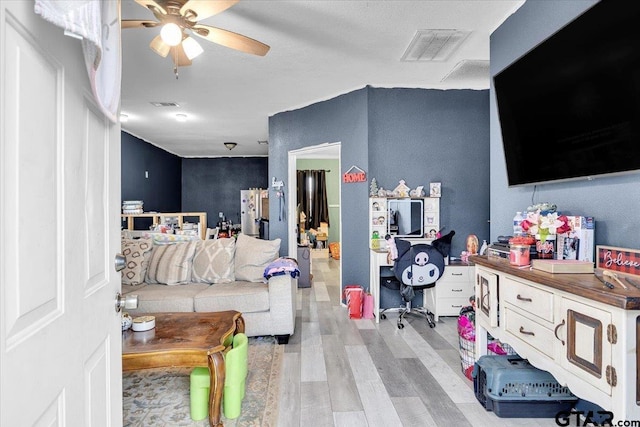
x=158 y=219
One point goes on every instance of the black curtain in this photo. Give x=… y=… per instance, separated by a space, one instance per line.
x=312 y=197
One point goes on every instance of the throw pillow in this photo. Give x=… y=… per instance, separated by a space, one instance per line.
x=171 y=264
x=137 y=254
x=252 y=257
x=213 y=261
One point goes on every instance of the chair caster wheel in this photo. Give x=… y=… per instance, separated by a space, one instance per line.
x=383 y=316
x=432 y=325
x=400 y=326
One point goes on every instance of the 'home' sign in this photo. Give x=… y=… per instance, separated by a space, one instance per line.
x=354 y=174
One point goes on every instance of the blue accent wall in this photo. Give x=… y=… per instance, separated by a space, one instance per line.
x=162 y=190
x=342 y=119
x=612 y=201
x=213 y=185
x=423 y=136
x=412 y=134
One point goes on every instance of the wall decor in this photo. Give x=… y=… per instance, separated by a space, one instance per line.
x=354 y=174
x=435 y=189
x=620 y=260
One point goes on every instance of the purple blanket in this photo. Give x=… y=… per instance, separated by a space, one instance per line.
x=282 y=266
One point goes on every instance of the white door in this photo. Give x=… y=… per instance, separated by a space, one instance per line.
x=60 y=340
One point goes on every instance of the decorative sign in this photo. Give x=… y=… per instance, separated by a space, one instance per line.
x=354 y=174
x=622 y=260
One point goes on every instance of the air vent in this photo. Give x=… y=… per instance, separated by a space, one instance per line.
x=468 y=70
x=164 y=104
x=433 y=45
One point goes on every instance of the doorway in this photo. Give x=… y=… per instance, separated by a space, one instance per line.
x=326 y=151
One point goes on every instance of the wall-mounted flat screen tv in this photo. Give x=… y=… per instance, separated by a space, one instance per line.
x=570 y=107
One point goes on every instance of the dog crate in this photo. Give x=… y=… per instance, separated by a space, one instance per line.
x=513 y=388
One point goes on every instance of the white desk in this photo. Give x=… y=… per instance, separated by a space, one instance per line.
x=450 y=294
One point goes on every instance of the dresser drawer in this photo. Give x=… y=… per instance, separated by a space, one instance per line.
x=451 y=306
x=457 y=274
x=528 y=298
x=529 y=331
x=454 y=289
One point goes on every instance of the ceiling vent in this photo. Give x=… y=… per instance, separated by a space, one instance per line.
x=468 y=70
x=164 y=104
x=433 y=45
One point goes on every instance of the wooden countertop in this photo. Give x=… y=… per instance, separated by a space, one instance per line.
x=584 y=285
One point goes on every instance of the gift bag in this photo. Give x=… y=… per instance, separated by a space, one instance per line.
x=353 y=295
x=367 y=306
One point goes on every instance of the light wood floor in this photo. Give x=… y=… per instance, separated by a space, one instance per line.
x=342 y=372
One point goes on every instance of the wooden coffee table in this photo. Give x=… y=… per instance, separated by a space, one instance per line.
x=185 y=340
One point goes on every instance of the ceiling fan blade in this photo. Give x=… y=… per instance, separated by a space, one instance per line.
x=153 y=6
x=230 y=39
x=180 y=58
x=205 y=8
x=159 y=46
x=130 y=23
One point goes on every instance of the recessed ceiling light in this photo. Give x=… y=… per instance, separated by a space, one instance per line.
x=181 y=117
x=124 y=118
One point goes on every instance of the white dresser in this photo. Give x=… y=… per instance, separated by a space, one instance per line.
x=571 y=325
x=452 y=291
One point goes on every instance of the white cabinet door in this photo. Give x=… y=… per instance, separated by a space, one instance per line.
x=60 y=336
x=587 y=350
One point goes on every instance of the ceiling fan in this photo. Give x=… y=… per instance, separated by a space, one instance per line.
x=178 y=18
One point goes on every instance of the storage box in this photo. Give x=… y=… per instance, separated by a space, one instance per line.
x=513 y=388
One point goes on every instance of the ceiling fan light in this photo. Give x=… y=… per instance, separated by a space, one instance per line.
x=191 y=48
x=171 y=34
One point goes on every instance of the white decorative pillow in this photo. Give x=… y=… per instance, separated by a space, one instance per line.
x=137 y=254
x=213 y=261
x=253 y=255
x=171 y=264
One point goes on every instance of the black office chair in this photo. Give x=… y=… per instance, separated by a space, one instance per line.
x=417 y=267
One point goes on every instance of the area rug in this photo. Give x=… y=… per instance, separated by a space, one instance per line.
x=160 y=397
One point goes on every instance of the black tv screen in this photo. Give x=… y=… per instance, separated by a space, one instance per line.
x=570 y=107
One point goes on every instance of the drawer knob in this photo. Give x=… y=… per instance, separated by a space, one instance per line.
x=521 y=298
x=522 y=331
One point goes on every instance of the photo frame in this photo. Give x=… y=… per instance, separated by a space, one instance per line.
x=435 y=189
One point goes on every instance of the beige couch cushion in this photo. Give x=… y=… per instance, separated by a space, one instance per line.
x=171 y=264
x=245 y=297
x=137 y=254
x=252 y=256
x=213 y=261
x=162 y=298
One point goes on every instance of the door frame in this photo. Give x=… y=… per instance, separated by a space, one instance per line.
x=327 y=150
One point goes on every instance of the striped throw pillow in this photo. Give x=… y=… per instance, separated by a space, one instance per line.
x=171 y=264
